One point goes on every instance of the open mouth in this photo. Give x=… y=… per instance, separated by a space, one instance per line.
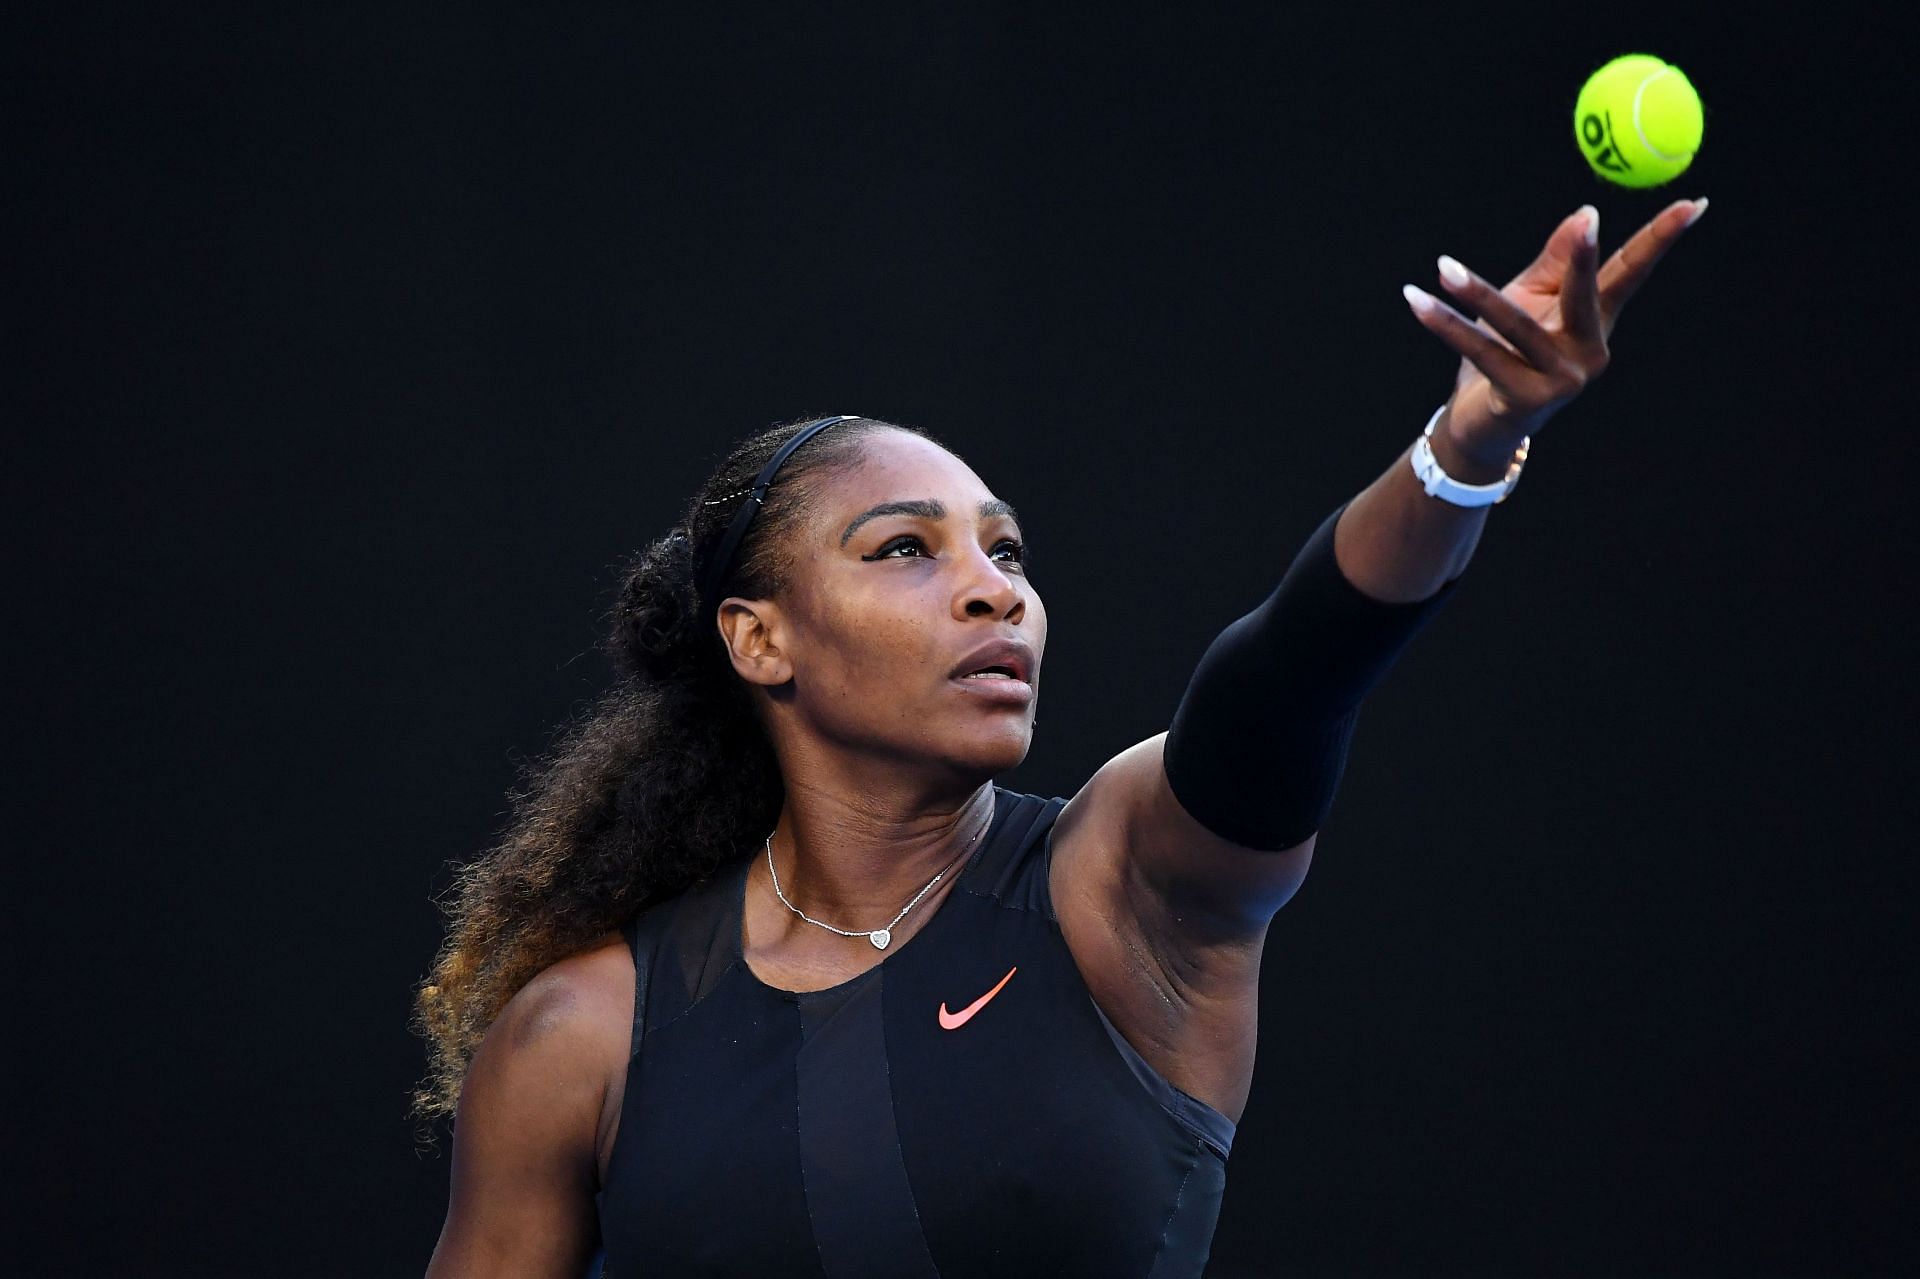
x=996 y=684
x=1001 y=669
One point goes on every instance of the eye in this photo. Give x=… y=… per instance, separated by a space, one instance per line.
x=904 y=540
x=1013 y=549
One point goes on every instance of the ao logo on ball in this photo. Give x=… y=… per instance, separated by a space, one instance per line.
x=1596 y=131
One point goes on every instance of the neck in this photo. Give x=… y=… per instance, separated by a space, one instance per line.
x=855 y=862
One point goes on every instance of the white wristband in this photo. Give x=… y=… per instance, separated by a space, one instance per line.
x=1438 y=483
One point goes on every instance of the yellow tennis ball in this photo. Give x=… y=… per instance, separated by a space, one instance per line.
x=1638 y=121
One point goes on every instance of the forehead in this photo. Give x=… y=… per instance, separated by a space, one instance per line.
x=895 y=465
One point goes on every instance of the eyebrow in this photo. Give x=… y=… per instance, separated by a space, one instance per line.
x=926 y=509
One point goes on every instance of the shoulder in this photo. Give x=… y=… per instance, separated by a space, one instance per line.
x=562 y=1038
x=582 y=1004
x=1022 y=825
x=574 y=1000
x=524 y=1134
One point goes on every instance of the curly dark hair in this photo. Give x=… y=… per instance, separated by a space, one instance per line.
x=667 y=779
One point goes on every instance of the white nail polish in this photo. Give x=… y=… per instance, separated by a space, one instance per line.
x=1452 y=272
x=1417 y=298
x=1592 y=227
x=1699 y=207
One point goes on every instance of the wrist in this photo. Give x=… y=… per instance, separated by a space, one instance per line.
x=1468 y=466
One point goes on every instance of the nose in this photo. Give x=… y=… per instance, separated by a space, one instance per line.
x=987 y=590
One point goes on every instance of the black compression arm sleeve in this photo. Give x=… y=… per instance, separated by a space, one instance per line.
x=1259 y=741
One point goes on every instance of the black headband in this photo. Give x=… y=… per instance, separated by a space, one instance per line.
x=713 y=574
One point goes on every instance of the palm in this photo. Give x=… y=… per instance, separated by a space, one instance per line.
x=1534 y=291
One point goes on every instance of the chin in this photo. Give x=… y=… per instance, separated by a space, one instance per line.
x=992 y=753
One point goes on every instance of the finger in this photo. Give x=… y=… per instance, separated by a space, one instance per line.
x=1629 y=268
x=1503 y=315
x=1544 y=273
x=1503 y=367
x=1580 y=315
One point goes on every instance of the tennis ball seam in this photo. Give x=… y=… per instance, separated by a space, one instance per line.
x=1640 y=92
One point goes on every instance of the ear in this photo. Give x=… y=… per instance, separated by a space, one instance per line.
x=753 y=631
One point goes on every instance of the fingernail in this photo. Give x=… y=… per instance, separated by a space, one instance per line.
x=1417 y=298
x=1699 y=207
x=1452 y=272
x=1591 y=227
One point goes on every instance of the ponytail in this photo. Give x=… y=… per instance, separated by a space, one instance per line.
x=668 y=779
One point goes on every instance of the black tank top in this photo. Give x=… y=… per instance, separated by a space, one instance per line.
x=900 y=1124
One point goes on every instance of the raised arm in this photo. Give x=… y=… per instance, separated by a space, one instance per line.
x=1201 y=834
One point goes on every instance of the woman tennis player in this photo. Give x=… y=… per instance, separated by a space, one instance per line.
x=769 y=977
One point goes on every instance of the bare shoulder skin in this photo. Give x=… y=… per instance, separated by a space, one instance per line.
x=536 y=1120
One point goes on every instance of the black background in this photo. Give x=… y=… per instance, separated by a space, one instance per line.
x=350 y=350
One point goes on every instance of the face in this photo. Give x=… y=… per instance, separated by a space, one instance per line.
x=907 y=579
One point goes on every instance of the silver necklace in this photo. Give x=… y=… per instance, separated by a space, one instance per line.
x=880 y=937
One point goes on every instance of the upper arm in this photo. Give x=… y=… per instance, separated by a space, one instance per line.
x=1167 y=922
x=524 y=1173
x=1128 y=837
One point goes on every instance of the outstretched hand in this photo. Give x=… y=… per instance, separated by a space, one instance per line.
x=1555 y=317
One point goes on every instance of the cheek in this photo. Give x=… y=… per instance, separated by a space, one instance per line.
x=878 y=654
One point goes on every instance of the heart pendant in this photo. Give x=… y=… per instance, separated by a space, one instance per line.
x=880 y=937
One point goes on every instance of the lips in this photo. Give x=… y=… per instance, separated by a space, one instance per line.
x=1012 y=658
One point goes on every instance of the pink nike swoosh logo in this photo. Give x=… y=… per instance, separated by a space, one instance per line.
x=954 y=1021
